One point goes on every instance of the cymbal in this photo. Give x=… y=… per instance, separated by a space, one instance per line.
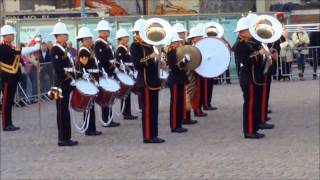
x=193 y=52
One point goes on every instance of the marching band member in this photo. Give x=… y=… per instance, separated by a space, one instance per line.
x=88 y=62
x=123 y=57
x=265 y=89
x=250 y=56
x=137 y=26
x=60 y=61
x=10 y=75
x=176 y=81
x=149 y=82
x=104 y=53
x=209 y=82
x=182 y=31
x=197 y=101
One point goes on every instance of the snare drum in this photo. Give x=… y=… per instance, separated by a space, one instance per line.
x=135 y=88
x=83 y=95
x=126 y=84
x=108 y=90
x=163 y=77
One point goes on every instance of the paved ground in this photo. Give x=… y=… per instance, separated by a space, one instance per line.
x=213 y=149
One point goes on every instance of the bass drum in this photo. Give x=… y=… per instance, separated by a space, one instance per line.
x=108 y=90
x=83 y=95
x=215 y=57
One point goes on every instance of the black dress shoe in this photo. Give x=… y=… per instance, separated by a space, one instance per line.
x=189 y=122
x=254 y=136
x=129 y=117
x=68 y=143
x=11 y=128
x=179 y=130
x=269 y=111
x=266 y=126
x=201 y=114
x=210 y=108
x=154 y=140
x=113 y=124
x=93 y=133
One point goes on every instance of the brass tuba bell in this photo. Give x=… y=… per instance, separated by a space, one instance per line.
x=156 y=32
x=265 y=29
x=213 y=29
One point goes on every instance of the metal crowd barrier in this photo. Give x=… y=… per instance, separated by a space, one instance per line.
x=35 y=84
x=288 y=68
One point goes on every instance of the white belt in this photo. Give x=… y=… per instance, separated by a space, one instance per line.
x=129 y=64
x=93 y=70
x=69 y=70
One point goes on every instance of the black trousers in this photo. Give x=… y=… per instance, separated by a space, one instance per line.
x=8 y=91
x=177 y=105
x=127 y=105
x=150 y=113
x=63 y=114
x=106 y=112
x=198 y=98
x=92 y=120
x=208 y=86
x=251 y=105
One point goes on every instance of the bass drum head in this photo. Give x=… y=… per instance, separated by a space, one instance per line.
x=109 y=85
x=125 y=79
x=215 y=57
x=86 y=88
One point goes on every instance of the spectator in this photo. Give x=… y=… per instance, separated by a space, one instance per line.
x=286 y=55
x=314 y=41
x=71 y=50
x=49 y=44
x=300 y=40
x=45 y=68
x=26 y=70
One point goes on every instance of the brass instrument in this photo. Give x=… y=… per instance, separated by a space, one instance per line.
x=266 y=29
x=55 y=93
x=213 y=29
x=158 y=33
x=189 y=51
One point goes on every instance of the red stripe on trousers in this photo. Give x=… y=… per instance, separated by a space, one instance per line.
x=206 y=92
x=147 y=113
x=174 y=110
x=184 y=108
x=264 y=101
x=4 y=104
x=250 y=109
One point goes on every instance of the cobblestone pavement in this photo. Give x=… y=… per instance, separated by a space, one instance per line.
x=212 y=149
